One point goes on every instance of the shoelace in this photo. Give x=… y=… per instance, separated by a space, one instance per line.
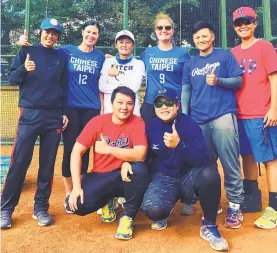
x=266 y=215
x=5 y=215
x=214 y=230
x=42 y=214
x=233 y=213
x=110 y=206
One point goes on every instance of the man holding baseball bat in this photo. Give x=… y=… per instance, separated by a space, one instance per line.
x=40 y=73
x=209 y=83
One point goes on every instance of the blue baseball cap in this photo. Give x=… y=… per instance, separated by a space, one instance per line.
x=51 y=23
x=168 y=93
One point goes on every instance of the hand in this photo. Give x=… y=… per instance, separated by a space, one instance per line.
x=108 y=56
x=29 y=65
x=65 y=122
x=211 y=78
x=23 y=40
x=270 y=119
x=113 y=71
x=125 y=169
x=75 y=194
x=171 y=140
x=102 y=147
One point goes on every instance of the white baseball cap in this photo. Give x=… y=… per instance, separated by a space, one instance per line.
x=125 y=33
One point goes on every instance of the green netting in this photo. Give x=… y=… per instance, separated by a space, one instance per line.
x=73 y=13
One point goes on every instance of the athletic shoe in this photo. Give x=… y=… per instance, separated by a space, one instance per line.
x=159 y=225
x=211 y=234
x=108 y=213
x=6 y=219
x=233 y=218
x=268 y=220
x=66 y=205
x=219 y=209
x=252 y=202
x=187 y=209
x=44 y=219
x=99 y=211
x=125 y=228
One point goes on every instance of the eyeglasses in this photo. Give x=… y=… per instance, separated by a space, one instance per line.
x=241 y=22
x=159 y=103
x=166 y=27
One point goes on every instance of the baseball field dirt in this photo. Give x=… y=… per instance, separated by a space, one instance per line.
x=73 y=234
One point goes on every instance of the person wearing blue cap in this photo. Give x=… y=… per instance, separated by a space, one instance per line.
x=210 y=80
x=179 y=159
x=84 y=64
x=40 y=72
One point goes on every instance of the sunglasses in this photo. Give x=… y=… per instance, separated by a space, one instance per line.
x=166 y=27
x=167 y=103
x=239 y=23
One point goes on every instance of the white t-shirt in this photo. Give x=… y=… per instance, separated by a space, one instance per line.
x=130 y=75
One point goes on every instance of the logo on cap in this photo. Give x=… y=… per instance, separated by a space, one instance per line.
x=241 y=11
x=54 y=22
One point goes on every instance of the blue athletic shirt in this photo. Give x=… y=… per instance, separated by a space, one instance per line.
x=210 y=102
x=163 y=68
x=83 y=75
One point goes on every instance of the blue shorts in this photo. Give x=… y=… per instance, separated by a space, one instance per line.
x=256 y=140
x=164 y=191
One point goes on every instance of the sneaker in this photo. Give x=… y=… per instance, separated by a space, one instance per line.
x=159 y=225
x=252 y=202
x=211 y=234
x=108 y=213
x=268 y=220
x=66 y=205
x=125 y=228
x=99 y=211
x=219 y=209
x=187 y=209
x=233 y=218
x=6 y=219
x=44 y=219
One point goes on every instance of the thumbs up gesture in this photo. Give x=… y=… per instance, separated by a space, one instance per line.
x=211 y=78
x=23 y=39
x=171 y=140
x=102 y=147
x=29 y=65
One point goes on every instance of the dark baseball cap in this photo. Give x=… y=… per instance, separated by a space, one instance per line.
x=51 y=23
x=244 y=13
x=168 y=93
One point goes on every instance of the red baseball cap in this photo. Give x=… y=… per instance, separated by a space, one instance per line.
x=244 y=13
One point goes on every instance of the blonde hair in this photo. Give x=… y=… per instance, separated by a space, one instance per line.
x=160 y=16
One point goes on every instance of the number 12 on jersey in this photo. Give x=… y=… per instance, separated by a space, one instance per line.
x=162 y=78
x=83 y=79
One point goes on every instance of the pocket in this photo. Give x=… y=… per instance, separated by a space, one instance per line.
x=26 y=116
x=235 y=124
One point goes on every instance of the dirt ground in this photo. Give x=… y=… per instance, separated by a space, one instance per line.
x=74 y=234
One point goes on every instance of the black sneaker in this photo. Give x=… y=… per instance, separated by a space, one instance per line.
x=44 y=219
x=66 y=205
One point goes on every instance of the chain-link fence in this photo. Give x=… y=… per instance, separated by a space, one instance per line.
x=110 y=15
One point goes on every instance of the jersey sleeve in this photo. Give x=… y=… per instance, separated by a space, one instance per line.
x=88 y=136
x=186 y=73
x=269 y=58
x=138 y=134
x=233 y=66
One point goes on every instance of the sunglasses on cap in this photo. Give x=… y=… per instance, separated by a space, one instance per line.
x=241 y=22
x=166 y=27
x=167 y=103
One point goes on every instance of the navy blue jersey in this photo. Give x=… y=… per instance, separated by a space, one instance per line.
x=163 y=68
x=83 y=75
x=190 y=152
x=46 y=86
x=210 y=102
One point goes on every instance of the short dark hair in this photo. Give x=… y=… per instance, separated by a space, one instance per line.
x=125 y=91
x=91 y=22
x=201 y=25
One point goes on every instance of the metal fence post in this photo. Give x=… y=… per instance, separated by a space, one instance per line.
x=125 y=15
x=266 y=20
x=223 y=24
x=27 y=16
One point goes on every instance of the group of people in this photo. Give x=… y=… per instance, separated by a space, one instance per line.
x=155 y=155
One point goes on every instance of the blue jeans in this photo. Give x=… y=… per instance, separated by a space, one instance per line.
x=222 y=139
